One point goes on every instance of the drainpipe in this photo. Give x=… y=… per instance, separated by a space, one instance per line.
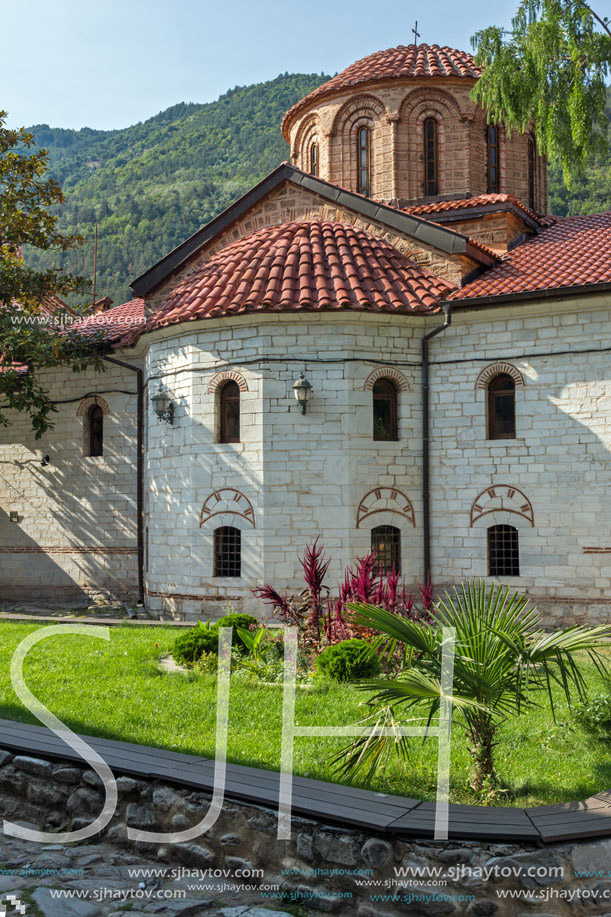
x=426 y=471
x=139 y=468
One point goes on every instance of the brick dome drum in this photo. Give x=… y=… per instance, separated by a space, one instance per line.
x=427 y=139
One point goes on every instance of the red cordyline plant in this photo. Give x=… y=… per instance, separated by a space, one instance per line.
x=318 y=617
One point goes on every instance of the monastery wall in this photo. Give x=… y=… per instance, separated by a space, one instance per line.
x=74 y=534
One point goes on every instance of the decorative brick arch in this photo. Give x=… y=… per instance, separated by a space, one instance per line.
x=89 y=403
x=227 y=375
x=383 y=372
x=364 y=105
x=497 y=369
x=502 y=498
x=385 y=500
x=308 y=132
x=227 y=502
x=452 y=141
x=364 y=110
x=429 y=99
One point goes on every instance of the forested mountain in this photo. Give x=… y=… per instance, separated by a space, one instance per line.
x=151 y=185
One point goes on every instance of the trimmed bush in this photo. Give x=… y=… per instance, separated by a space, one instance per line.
x=199 y=639
x=236 y=620
x=348 y=660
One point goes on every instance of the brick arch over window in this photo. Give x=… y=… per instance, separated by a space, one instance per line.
x=452 y=143
x=87 y=403
x=309 y=132
x=383 y=372
x=499 y=369
x=230 y=375
x=501 y=503
x=224 y=506
x=384 y=500
x=362 y=111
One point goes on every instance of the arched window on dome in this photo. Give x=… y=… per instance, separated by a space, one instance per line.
x=385 y=412
x=313 y=159
x=502 y=407
x=431 y=158
x=363 y=159
x=532 y=183
x=494 y=159
x=229 y=413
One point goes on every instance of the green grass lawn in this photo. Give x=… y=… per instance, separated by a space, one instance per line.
x=115 y=690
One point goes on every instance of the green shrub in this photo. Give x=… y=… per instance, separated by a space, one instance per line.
x=197 y=640
x=236 y=620
x=347 y=660
x=595 y=713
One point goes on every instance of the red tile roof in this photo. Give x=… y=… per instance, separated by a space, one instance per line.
x=478 y=200
x=404 y=62
x=573 y=252
x=115 y=322
x=306 y=266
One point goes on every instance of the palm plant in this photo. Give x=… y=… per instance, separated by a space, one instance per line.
x=504 y=662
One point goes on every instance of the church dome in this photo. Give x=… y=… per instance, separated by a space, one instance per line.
x=310 y=265
x=403 y=62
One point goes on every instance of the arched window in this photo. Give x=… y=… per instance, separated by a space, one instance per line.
x=385 y=414
x=229 y=410
x=386 y=548
x=363 y=158
x=532 y=162
x=95 y=430
x=313 y=157
x=503 y=551
x=227 y=551
x=494 y=160
x=502 y=407
x=431 y=165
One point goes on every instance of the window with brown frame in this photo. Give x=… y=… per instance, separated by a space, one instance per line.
x=229 y=405
x=363 y=159
x=385 y=413
x=532 y=162
x=386 y=548
x=313 y=164
x=227 y=551
x=502 y=407
x=494 y=160
x=95 y=430
x=503 y=551
x=431 y=165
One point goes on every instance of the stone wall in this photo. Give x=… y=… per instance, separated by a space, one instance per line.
x=323 y=867
x=74 y=538
x=553 y=482
x=395 y=112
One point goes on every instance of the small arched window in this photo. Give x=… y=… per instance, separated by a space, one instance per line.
x=229 y=410
x=95 y=430
x=431 y=163
x=494 y=160
x=502 y=407
x=227 y=551
x=532 y=163
x=363 y=158
x=313 y=159
x=503 y=551
x=385 y=413
x=386 y=548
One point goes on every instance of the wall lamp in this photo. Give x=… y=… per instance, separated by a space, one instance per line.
x=303 y=391
x=45 y=460
x=162 y=406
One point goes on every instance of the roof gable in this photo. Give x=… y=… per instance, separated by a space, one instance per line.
x=420 y=230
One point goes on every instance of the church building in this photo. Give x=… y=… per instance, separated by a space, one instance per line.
x=388 y=343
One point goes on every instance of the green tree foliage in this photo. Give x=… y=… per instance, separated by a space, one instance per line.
x=152 y=185
x=548 y=74
x=29 y=344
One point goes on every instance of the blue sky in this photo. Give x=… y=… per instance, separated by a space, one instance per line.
x=111 y=63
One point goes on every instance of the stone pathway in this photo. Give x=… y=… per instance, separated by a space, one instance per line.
x=35 y=877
